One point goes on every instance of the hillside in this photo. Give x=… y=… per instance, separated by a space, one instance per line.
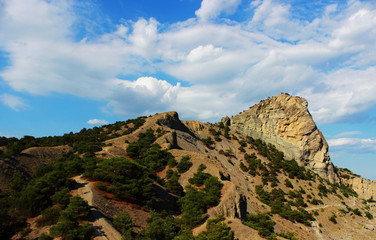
x=264 y=173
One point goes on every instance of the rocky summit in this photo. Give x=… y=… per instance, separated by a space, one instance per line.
x=262 y=174
x=285 y=122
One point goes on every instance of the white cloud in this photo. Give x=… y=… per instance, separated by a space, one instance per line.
x=206 y=102
x=14 y=102
x=342 y=94
x=353 y=145
x=225 y=66
x=146 y=95
x=211 y=9
x=350 y=133
x=97 y=121
x=274 y=19
x=144 y=37
x=204 y=53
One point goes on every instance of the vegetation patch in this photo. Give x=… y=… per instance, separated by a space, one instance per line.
x=262 y=223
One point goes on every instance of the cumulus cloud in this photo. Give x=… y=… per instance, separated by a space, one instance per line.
x=146 y=95
x=204 y=53
x=97 y=121
x=14 y=102
x=212 y=8
x=224 y=66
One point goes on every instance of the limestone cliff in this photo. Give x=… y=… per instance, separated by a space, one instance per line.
x=365 y=188
x=285 y=121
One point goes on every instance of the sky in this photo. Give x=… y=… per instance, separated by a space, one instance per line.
x=72 y=64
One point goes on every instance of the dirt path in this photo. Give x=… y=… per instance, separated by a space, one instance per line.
x=103 y=227
x=322 y=206
x=316 y=229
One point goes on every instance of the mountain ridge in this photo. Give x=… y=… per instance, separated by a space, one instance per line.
x=256 y=176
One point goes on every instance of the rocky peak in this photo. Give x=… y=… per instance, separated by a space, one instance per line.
x=285 y=121
x=170 y=120
x=226 y=121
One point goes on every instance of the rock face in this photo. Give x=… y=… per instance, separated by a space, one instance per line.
x=226 y=121
x=233 y=205
x=285 y=121
x=365 y=188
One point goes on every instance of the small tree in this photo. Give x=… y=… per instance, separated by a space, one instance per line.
x=184 y=164
x=216 y=230
x=288 y=183
x=173 y=184
x=124 y=222
x=369 y=215
x=333 y=218
x=69 y=226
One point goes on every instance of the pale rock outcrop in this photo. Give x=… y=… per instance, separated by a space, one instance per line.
x=363 y=187
x=233 y=204
x=285 y=121
x=226 y=121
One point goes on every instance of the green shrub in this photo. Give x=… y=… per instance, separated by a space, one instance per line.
x=69 y=225
x=357 y=212
x=160 y=227
x=172 y=162
x=241 y=149
x=196 y=201
x=288 y=183
x=61 y=197
x=316 y=201
x=262 y=223
x=137 y=149
x=347 y=191
x=369 y=215
x=45 y=236
x=169 y=173
x=101 y=187
x=276 y=200
x=243 y=167
x=192 y=206
x=333 y=218
x=216 y=230
x=198 y=178
x=185 y=164
x=173 y=184
x=123 y=222
x=50 y=216
x=208 y=142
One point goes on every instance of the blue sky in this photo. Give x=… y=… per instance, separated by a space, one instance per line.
x=69 y=64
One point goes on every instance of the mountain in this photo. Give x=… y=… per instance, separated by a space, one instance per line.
x=264 y=173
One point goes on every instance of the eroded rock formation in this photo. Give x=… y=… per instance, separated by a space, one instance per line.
x=285 y=121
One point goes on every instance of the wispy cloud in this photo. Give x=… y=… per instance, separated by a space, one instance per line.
x=97 y=122
x=14 y=102
x=225 y=65
x=344 y=134
x=358 y=145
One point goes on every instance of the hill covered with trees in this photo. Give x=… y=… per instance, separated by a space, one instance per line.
x=158 y=177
